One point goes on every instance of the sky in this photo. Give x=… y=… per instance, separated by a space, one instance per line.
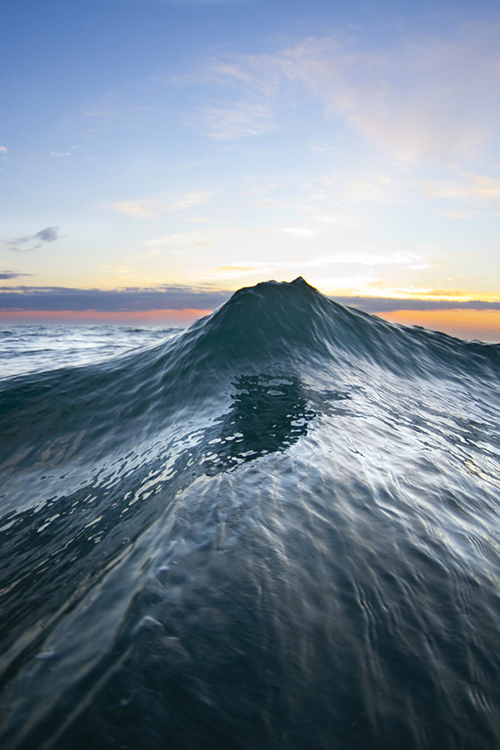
x=156 y=155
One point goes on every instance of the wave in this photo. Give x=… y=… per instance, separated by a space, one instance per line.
x=275 y=529
x=272 y=325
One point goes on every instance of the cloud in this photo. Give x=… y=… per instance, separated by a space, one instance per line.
x=311 y=210
x=454 y=214
x=131 y=299
x=300 y=231
x=422 y=97
x=242 y=119
x=377 y=258
x=56 y=153
x=4 y=150
x=465 y=187
x=33 y=241
x=154 y=206
x=186 y=238
x=338 y=220
x=348 y=272
x=390 y=304
x=242 y=269
x=12 y=275
x=425 y=98
x=48 y=235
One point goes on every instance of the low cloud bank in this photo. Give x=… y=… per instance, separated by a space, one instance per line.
x=388 y=304
x=116 y=300
x=133 y=300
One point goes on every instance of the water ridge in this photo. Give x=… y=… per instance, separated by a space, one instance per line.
x=278 y=528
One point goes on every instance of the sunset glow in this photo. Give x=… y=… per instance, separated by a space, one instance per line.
x=212 y=145
x=174 y=318
x=466 y=324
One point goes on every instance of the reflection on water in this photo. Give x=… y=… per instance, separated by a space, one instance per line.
x=46 y=563
x=268 y=414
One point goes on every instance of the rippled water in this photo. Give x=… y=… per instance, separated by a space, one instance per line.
x=276 y=529
x=35 y=348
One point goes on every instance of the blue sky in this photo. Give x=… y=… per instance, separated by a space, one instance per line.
x=149 y=144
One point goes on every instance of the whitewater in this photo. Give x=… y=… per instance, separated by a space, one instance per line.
x=277 y=529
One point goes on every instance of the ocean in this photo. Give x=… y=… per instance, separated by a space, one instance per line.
x=276 y=529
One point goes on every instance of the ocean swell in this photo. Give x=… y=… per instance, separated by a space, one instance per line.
x=278 y=528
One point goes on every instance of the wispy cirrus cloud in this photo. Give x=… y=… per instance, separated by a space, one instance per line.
x=423 y=99
x=300 y=231
x=184 y=238
x=368 y=258
x=241 y=119
x=154 y=206
x=455 y=214
x=426 y=98
x=32 y=241
x=466 y=186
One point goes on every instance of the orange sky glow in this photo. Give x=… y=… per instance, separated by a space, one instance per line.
x=93 y=317
x=483 y=325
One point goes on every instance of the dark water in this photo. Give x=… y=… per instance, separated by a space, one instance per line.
x=279 y=528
